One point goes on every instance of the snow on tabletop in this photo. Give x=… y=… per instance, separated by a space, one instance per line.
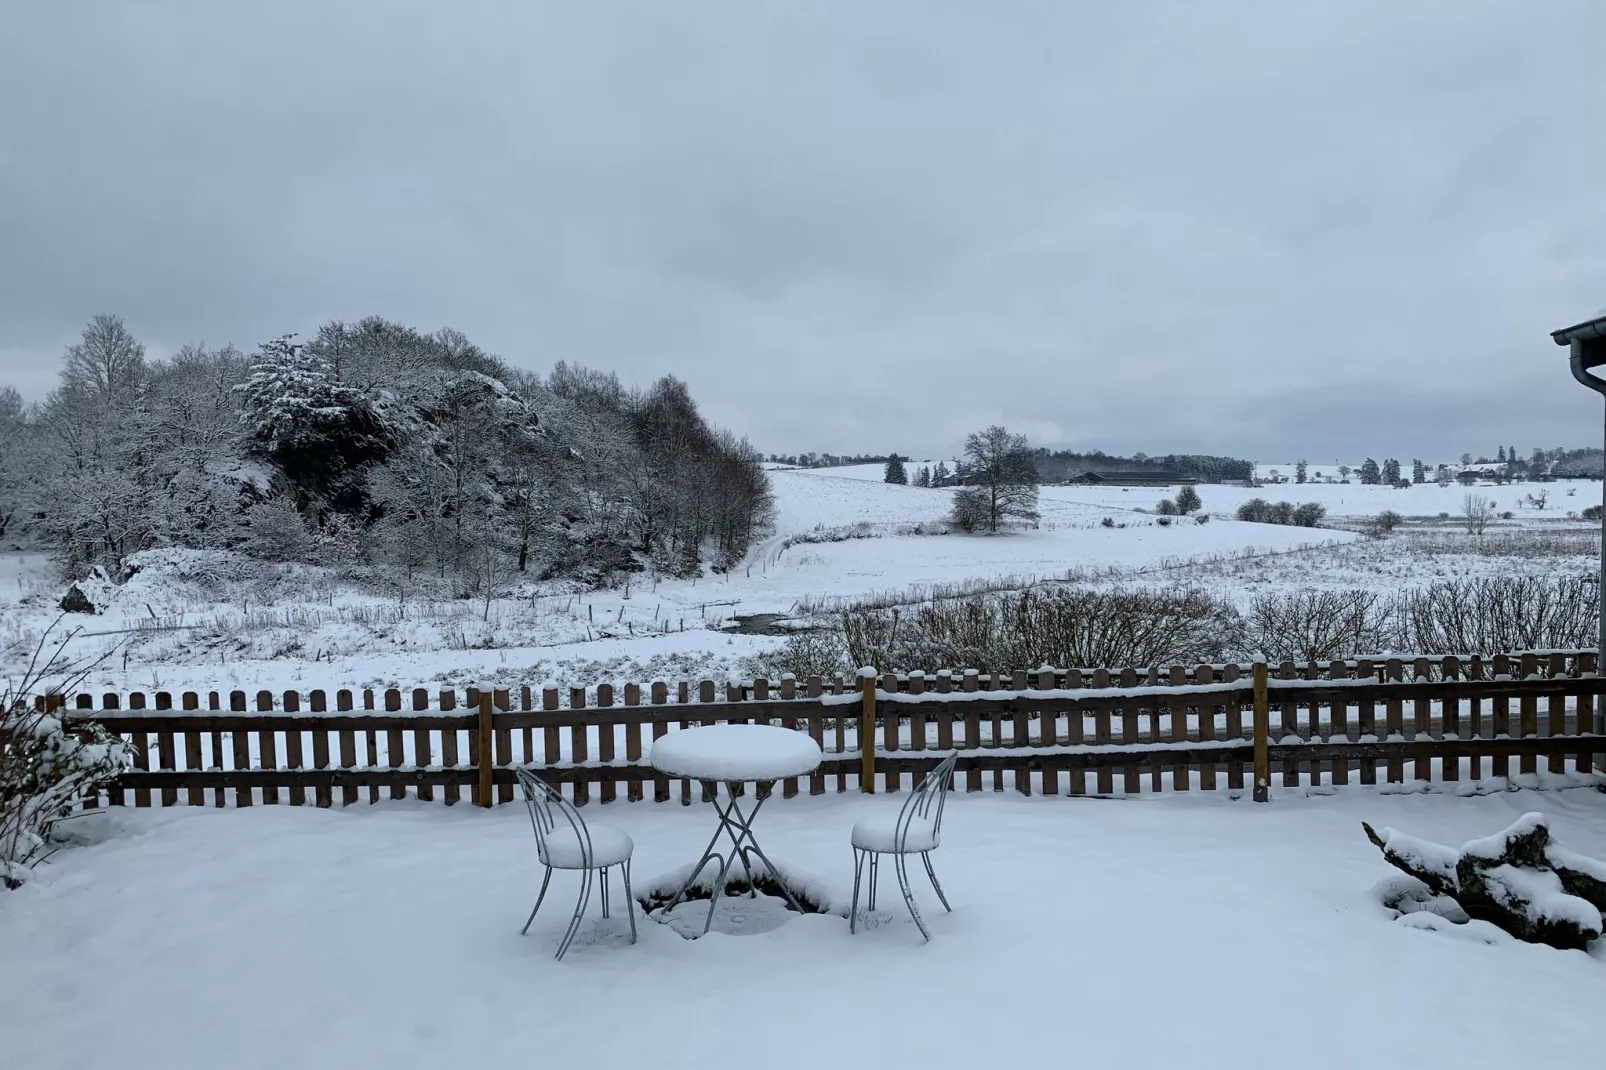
x=735 y=752
x=1542 y=892
x=1421 y=853
x=1495 y=846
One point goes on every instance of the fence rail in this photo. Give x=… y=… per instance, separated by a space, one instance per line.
x=1051 y=731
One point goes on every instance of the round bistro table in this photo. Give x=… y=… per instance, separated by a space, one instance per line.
x=733 y=754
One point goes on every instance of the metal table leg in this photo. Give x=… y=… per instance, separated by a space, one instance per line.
x=738 y=827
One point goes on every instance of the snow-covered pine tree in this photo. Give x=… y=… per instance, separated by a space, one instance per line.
x=895 y=472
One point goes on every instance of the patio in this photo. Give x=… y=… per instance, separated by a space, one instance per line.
x=1180 y=931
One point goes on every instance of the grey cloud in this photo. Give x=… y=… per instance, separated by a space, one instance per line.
x=1243 y=226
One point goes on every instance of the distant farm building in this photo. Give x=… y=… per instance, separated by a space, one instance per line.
x=1146 y=478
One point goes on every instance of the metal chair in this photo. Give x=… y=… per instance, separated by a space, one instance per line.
x=916 y=830
x=574 y=846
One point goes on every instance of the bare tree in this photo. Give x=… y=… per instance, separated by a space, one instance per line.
x=106 y=363
x=1001 y=468
x=1476 y=513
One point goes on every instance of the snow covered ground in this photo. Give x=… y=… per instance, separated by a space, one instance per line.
x=189 y=622
x=1196 y=932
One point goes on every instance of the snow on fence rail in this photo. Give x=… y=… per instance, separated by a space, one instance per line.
x=1049 y=731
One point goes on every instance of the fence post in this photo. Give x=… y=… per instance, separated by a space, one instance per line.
x=483 y=787
x=867 y=731
x=1262 y=731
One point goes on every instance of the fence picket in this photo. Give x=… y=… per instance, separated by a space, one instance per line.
x=267 y=749
x=241 y=741
x=632 y=743
x=1528 y=725
x=579 y=740
x=1500 y=765
x=422 y=756
x=1366 y=719
x=1234 y=730
x=348 y=747
x=1132 y=773
x=972 y=729
x=1204 y=675
x=452 y=792
x=660 y=784
x=194 y=796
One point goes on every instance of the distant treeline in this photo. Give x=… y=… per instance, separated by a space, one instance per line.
x=1057 y=465
x=829 y=460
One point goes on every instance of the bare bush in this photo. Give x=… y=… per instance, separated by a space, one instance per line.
x=1476 y=513
x=1065 y=626
x=1316 y=625
x=1500 y=614
x=814 y=652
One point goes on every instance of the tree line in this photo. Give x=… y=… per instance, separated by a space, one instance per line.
x=412 y=457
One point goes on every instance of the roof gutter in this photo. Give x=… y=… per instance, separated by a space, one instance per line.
x=1587 y=341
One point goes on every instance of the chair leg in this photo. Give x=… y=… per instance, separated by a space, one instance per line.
x=630 y=903
x=899 y=862
x=875 y=871
x=605 y=891
x=853 y=911
x=579 y=913
x=538 y=900
x=925 y=856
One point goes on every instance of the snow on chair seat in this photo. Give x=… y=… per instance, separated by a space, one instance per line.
x=562 y=850
x=880 y=834
x=916 y=830
x=572 y=845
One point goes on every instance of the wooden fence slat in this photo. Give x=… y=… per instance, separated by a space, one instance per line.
x=348 y=747
x=972 y=729
x=1288 y=723
x=192 y=751
x=422 y=756
x=395 y=743
x=372 y=738
x=139 y=744
x=683 y=695
x=1450 y=721
x=292 y=750
x=609 y=788
x=452 y=792
x=1181 y=778
x=1528 y=725
x=1501 y=721
x=660 y=695
x=579 y=738
x=1048 y=731
x=1422 y=720
x=165 y=756
x=267 y=747
x=1366 y=718
x=813 y=687
x=241 y=758
x=214 y=701
x=1204 y=674
x=1474 y=725
x=526 y=698
x=1075 y=735
x=633 y=742
x=551 y=739
x=1131 y=711
x=1234 y=729
x=1338 y=724
x=889 y=732
x=1394 y=719
x=501 y=700
x=1587 y=721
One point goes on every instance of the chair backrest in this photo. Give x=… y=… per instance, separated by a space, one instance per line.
x=925 y=804
x=547 y=805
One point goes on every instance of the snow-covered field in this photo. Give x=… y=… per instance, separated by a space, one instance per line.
x=1193 y=932
x=189 y=621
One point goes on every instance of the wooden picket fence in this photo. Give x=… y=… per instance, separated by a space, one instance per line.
x=1052 y=731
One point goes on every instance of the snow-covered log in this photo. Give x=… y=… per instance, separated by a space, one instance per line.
x=1515 y=879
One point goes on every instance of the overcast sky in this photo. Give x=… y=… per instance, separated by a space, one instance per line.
x=1270 y=229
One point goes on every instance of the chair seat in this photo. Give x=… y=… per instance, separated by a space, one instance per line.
x=880 y=835
x=563 y=849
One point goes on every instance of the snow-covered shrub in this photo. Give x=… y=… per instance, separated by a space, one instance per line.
x=1590 y=512
x=1108 y=522
x=1500 y=614
x=1163 y=521
x=1188 y=501
x=1318 y=625
x=814 y=652
x=46 y=766
x=1309 y=515
x=1065 y=627
x=275 y=531
x=1166 y=507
